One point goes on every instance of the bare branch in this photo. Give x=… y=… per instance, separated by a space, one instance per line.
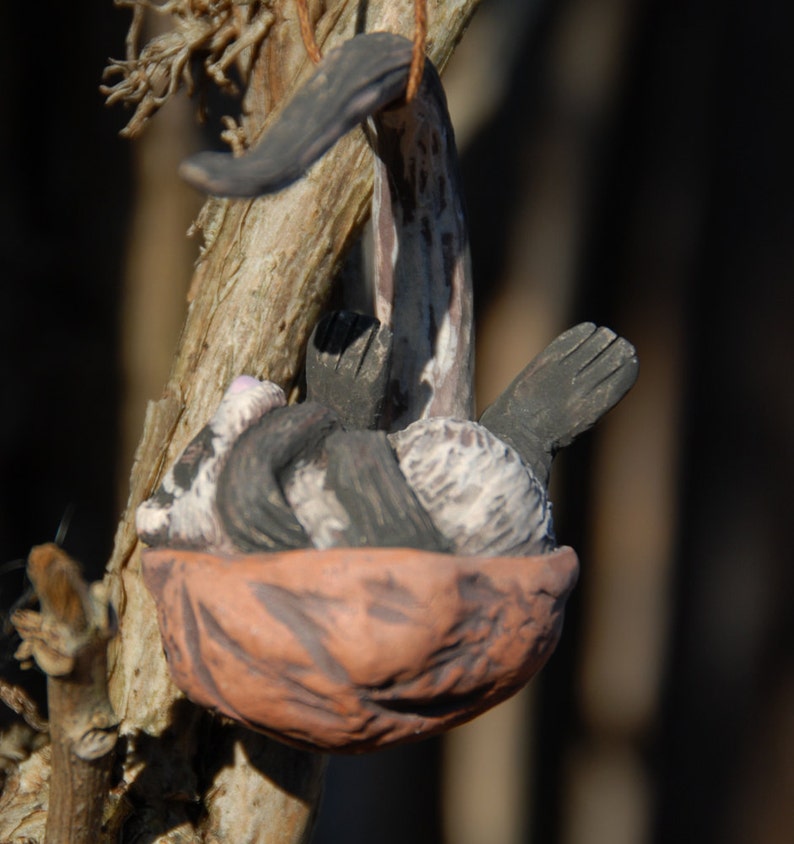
x=68 y=639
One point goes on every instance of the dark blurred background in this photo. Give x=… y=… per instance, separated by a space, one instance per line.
x=630 y=163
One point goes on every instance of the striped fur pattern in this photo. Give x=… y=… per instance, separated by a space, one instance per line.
x=476 y=490
x=182 y=513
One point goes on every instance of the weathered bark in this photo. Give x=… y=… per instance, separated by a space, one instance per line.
x=259 y=286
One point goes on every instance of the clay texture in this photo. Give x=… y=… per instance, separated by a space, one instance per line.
x=356 y=649
x=324 y=581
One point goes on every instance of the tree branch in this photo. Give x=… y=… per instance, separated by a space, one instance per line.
x=68 y=639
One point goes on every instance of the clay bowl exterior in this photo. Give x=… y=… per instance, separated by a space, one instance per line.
x=353 y=649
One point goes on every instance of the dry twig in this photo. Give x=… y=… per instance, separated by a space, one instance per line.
x=68 y=640
x=18 y=701
x=220 y=32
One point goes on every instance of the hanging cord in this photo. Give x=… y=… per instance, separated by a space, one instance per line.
x=307 y=31
x=417 y=57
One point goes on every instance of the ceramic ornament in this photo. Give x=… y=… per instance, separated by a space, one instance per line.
x=372 y=566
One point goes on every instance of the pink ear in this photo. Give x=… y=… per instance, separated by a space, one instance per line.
x=241 y=384
x=354 y=649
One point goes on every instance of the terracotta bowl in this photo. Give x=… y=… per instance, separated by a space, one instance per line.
x=356 y=649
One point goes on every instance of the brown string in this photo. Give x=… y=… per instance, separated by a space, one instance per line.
x=307 y=31
x=418 y=55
